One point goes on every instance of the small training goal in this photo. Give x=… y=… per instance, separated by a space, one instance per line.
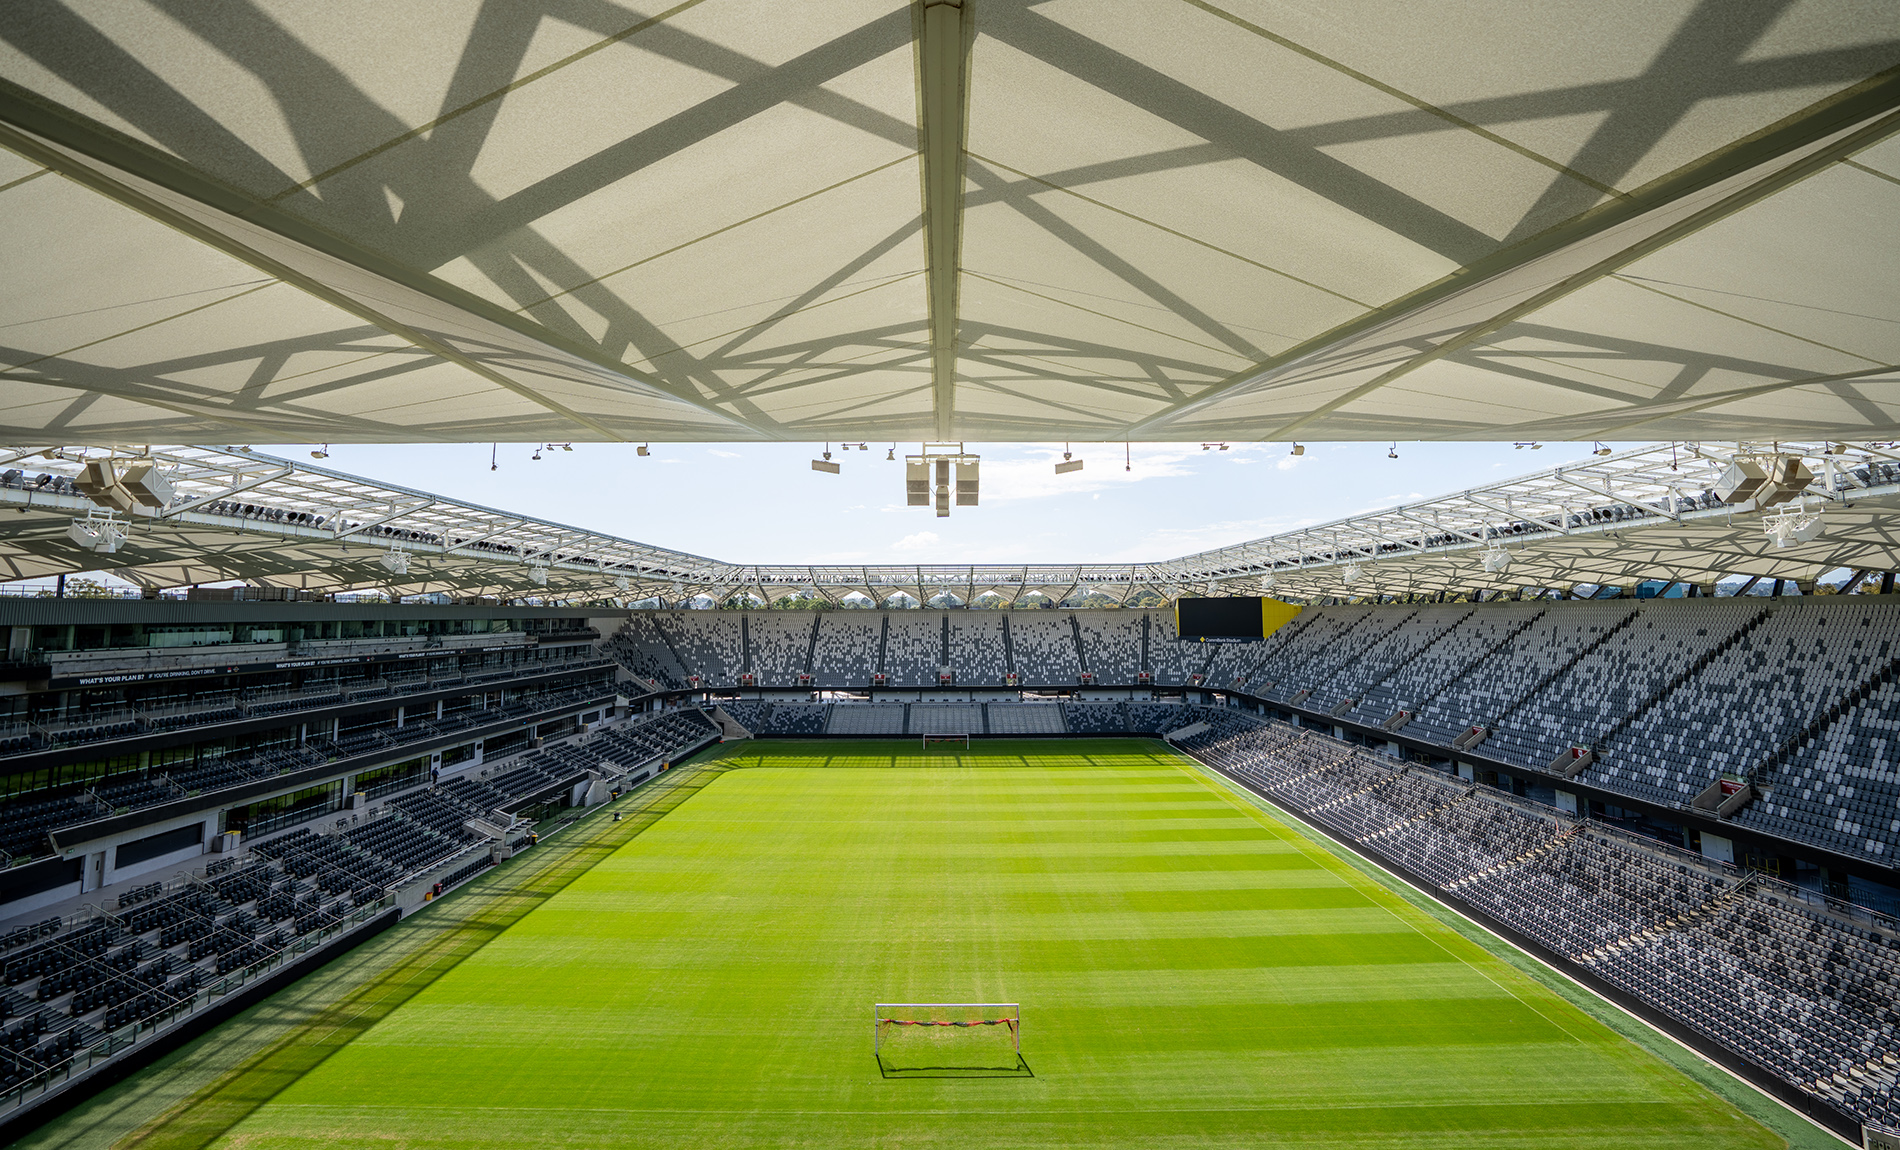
x=929 y=739
x=947 y=1036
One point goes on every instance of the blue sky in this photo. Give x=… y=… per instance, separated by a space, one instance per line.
x=762 y=503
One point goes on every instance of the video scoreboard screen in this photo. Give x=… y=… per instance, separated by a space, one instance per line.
x=1230 y=619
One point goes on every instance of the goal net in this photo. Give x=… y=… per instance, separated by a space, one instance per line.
x=948 y=1035
x=929 y=739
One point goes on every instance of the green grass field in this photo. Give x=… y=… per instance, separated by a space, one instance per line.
x=1192 y=972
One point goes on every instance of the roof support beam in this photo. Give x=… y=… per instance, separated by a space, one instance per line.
x=1558 y=525
x=337 y=531
x=234 y=489
x=943 y=36
x=1439 y=527
x=1602 y=487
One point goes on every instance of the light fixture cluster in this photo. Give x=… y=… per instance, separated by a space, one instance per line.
x=1755 y=482
x=827 y=466
x=141 y=484
x=934 y=461
x=117 y=486
x=1068 y=463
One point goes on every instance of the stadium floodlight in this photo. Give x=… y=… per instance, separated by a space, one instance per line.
x=825 y=465
x=1350 y=573
x=1527 y=443
x=1601 y=449
x=321 y=452
x=642 y=450
x=1266 y=582
x=934 y=1036
x=622 y=584
x=1069 y=462
x=395 y=561
x=538 y=573
x=1393 y=453
x=1496 y=560
x=1298 y=449
x=1213 y=446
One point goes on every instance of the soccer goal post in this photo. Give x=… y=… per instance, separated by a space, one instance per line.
x=944 y=1024
x=929 y=739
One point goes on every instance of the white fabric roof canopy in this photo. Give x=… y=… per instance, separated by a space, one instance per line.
x=1088 y=220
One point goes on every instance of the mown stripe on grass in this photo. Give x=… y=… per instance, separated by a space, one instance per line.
x=430 y=946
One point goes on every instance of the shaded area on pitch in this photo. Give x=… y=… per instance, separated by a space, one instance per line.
x=1016 y=1067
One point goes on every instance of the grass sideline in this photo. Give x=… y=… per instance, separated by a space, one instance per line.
x=1175 y=943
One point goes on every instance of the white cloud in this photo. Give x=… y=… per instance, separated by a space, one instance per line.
x=917 y=542
x=722 y=454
